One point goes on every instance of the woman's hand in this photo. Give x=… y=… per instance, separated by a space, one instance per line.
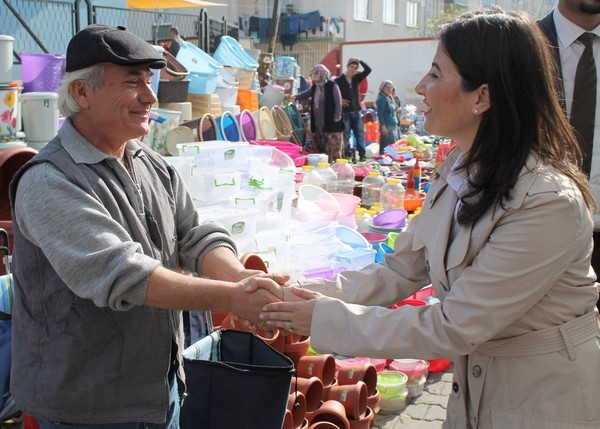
x=384 y=131
x=292 y=316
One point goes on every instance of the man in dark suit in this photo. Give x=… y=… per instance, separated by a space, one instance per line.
x=563 y=26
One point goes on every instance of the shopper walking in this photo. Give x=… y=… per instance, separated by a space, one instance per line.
x=517 y=310
x=387 y=114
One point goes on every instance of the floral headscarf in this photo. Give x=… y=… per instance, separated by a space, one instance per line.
x=322 y=72
x=385 y=83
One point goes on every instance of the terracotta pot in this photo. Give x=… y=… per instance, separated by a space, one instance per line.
x=333 y=412
x=366 y=373
x=288 y=420
x=353 y=397
x=272 y=338
x=373 y=400
x=252 y=261
x=297 y=349
x=321 y=366
x=305 y=424
x=364 y=422
x=323 y=425
x=309 y=414
x=297 y=406
x=217 y=318
x=326 y=389
x=311 y=388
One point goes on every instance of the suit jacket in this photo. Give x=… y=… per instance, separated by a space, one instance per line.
x=549 y=29
x=506 y=284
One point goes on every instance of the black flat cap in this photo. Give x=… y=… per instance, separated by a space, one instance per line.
x=107 y=44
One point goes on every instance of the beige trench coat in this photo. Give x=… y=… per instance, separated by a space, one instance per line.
x=517 y=313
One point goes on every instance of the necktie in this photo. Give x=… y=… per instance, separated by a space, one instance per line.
x=583 y=110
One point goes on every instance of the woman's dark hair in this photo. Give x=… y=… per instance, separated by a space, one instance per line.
x=508 y=52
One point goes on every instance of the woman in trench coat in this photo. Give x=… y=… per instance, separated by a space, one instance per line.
x=504 y=237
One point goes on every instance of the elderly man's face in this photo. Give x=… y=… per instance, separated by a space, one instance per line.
x=119 y=109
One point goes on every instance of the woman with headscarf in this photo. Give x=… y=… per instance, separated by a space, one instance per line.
x=387 y=115
x=326 y=113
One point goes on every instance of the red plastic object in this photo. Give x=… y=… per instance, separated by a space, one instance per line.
x=439 y=365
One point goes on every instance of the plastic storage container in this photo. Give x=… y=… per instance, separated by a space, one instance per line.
x=345 y=176
x=204 y=70
x=371 y=188
x=328 y=175
x=392 y=195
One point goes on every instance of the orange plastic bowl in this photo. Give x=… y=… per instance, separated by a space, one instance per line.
x=413 y=200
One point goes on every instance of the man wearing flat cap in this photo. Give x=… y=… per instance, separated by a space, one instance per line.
x=108 y=249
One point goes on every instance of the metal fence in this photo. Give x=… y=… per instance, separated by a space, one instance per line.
x=48 y=25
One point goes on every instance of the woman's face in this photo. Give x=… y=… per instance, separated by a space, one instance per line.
x=387 y=89
x=449 y=109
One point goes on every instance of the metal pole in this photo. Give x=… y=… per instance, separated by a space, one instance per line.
x=274 y=26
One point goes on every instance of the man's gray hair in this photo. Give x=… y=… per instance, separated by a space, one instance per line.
x=93 y=76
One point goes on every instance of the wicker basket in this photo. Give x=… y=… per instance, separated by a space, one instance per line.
x=174 y=69
x=205 y=103
x=244 y=76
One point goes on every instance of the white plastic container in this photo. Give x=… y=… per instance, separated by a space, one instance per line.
x=310 y=176
x=40 y=115
x=371 y=188
x=392 y=195
x=345 y=176
x=240 y=222
x=213 y=186
x=6 y=58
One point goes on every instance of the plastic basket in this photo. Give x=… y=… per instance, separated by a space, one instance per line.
x=243 y=76
x=174 y=69
x=247 y=99
x=205 y=103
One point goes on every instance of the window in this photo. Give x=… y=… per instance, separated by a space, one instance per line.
x=412 y=14
x=389 y=11
x=362 y=10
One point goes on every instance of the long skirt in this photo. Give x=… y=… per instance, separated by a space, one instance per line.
x=331 y=144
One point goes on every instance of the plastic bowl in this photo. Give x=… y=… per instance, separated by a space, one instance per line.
x=316 y=200
x=390 y=219
x=351 y=237
x=347 y=202
x=413 y=200
x=374 y=237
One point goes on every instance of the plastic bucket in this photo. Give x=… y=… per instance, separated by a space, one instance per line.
x=42 y=72
x=228 y=127
x=156 y=72
x=6 y=58
x=40 y=115
x=248 y=126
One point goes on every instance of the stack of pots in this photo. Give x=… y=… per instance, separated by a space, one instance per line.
x=320 y=398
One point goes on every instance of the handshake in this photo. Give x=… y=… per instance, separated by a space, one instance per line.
x=270 y=304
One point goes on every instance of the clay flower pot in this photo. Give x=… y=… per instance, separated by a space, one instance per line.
x=320 y=366
x=297 y=406
x=323 y=425
x=288 y=420
x=326 y=389
x=217 y=318
x=353 y=397
x=272 y=338
x=373 y=400
x=364 y=422
x=366 y=373
x=333 y=412
x=309 y=414
x=297 y=349
x=311 y=388
x=252 y=261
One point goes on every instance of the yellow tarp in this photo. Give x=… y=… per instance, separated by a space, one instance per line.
x=169 y=4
